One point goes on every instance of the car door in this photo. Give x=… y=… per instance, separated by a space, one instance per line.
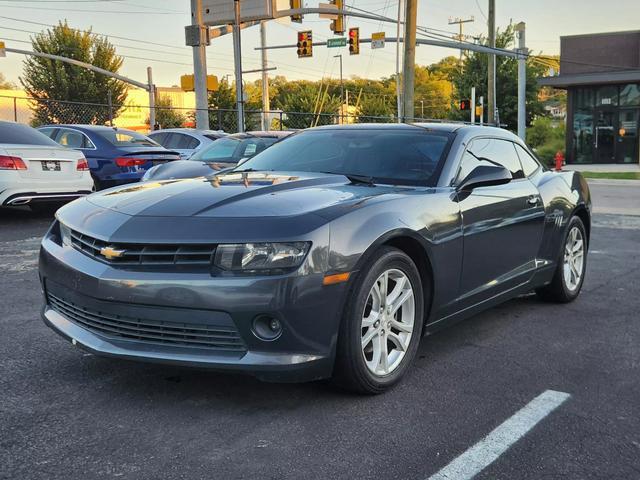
x=71 y=138
x=502 y=224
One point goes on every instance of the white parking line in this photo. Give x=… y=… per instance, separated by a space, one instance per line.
x=487 y=450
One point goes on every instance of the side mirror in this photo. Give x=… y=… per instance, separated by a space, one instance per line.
x=485 y=176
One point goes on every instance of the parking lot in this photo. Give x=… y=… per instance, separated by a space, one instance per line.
x=67 y=414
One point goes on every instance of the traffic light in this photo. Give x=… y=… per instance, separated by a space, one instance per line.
x=465 y=105
x=294 y=4
x=354 y=41
x=337 y=25
x=305 y=44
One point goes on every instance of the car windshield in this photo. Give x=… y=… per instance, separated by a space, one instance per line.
x=17 y=134
x=127 y=138
x=231 y=149
x=407 y=156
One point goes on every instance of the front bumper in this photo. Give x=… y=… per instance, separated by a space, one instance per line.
x=309 y=312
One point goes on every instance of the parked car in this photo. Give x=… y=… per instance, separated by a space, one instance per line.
x=35 y=170
x=330 y=253
x=224 y=153
x=186 y=141
x=116 y=156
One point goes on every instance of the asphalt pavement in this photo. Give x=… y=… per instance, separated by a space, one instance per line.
x=65 y=414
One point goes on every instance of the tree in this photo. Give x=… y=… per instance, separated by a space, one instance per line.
x=473 y=73
x=166 y=115
x=47 y=80
x=6 y=84
x=223 y=112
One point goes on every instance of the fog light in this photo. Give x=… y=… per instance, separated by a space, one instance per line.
x=267 y=328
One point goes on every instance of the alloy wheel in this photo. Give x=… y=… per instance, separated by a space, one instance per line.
x=573 y=259
x=387 y=322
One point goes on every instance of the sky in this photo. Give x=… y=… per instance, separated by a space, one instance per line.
x=153 y=31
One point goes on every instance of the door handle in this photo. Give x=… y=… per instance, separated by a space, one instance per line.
x=532 y=200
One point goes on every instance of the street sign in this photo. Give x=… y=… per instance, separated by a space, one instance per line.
x=336 y=42
x=377 y=40
x=220 y=12
x=3 y=52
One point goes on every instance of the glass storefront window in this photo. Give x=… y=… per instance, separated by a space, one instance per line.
x=627 y=139
x=585 y=97
x=630 y=95
x=607 y=96
x=583 y=136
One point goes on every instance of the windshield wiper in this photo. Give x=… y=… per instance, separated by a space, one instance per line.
x=354 y=178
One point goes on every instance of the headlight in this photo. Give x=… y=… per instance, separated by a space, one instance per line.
x=65 y=235
x=260 y=257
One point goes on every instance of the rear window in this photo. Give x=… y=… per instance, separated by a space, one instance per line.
x=16 y=133
x=126 y=138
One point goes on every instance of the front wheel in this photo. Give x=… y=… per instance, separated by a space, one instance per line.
x=569 y=275
x=382 y=324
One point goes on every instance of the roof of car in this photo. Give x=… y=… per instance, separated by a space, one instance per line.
x=263 y=133
x=433 y=126
x=91 y=128
x=189 y=130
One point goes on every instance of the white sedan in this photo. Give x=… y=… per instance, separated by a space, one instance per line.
x=35 y=169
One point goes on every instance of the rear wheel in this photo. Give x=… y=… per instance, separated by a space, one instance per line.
x=382 y=324
x=572 y=264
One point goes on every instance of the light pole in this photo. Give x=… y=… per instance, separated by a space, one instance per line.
x=341 y=89
x=422 y=109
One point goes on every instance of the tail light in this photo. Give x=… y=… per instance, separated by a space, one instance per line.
x=130 y=161
x=11 y=163
x=83 y=165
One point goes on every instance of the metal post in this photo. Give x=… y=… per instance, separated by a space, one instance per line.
x=341 y=89
x=491 y=90
x=200 y=68
x=473 y=105
x=422 y=109
x=15 y=109
x=265 y=78
x=152 y=100
x=110 y=106
x=522 y=81
x=237 y=56
x=398 y=88
x=410 y=24
x=481 y=110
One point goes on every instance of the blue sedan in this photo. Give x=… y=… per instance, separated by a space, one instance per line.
x=116 y=156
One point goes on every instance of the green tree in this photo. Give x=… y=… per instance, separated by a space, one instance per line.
x=223 y=113
x=47 y=80
x=473 y=73
x=6 y=84
x=166 y=115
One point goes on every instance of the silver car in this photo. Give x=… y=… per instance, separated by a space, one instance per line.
x=186 y=141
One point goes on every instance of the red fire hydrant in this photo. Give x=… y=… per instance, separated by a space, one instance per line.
x=559 y=158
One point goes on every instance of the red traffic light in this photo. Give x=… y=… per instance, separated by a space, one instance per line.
x=465 y=104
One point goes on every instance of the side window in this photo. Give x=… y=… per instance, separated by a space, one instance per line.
x=70 y=138
x=529 y=164
x=160 y=138
x=192 y=143
x=48 y=131
x=491 y=151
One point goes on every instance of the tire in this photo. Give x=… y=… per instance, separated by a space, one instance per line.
x=566 y=288
x=362 y=369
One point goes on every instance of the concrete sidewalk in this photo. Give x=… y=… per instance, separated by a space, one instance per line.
x=604 y=167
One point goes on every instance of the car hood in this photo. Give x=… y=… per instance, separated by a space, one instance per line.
x=253 y=194
x=186 y=169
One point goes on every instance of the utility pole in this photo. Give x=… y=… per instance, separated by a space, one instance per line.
x=522 y=80
x=341 y=88
x=491 y=87
x=237 y=56
x=410 y=24
x=481 y=110
x=265 y=77
x=473 y=105
x=398 y=87
x=152 y=100
x=200 y=66
x=460 y=22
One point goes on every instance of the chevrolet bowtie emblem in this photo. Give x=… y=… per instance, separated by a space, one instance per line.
x=110 y=252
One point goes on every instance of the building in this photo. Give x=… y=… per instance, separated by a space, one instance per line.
x=601 y=73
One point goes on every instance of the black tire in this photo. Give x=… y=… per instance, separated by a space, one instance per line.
x=558 y=291
x=351 y=371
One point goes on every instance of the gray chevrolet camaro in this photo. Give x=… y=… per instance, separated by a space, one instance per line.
x=329 y=254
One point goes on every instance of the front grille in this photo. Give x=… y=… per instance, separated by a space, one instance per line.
x=144 y=254
x=151 y=331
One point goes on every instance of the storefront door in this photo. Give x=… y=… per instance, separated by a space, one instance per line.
x=604 y=136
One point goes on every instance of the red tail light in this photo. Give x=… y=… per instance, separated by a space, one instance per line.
x=130 y=161
x=83 y=165
x=11 y=163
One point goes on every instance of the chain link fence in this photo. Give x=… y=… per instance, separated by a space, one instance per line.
x=37 y=112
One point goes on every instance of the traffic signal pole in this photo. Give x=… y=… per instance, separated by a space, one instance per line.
x=237 y=55
x=491 y=80
x=409 y=66
x=200 y=67
x=265 y=77
x=522 y=81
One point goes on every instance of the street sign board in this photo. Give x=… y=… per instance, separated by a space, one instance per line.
x=3 y=52
x=377 y=40
x=220 y=12
x=337 y=42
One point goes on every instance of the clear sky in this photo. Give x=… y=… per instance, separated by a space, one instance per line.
x=148 y=23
